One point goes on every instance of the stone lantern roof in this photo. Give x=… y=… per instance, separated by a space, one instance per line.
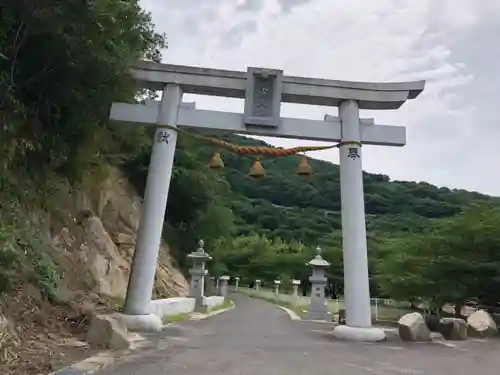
x=199 y=254
x=318 y=261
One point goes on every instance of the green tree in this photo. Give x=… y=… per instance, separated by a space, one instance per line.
x=457 y=259
x=61 y=65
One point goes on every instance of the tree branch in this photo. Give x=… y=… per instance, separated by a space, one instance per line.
x=16 y=48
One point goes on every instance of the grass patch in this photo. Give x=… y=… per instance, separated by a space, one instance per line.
x=297 y=308
x=180 y=317
x=23 y=257
x=227 y=304
x=299 y=304
x=175 y=318
x=392 y=314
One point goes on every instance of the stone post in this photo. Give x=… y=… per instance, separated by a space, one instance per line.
x=223 y=285
x=318 y=307
x=257 y=285
x=237 y=282
x=211 y=286
x=198 y=272
x=295 y=286
x=277 y=286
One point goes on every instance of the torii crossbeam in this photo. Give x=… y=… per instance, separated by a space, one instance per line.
x=264 y=90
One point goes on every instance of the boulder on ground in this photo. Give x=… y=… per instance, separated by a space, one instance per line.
x=481 y=324
x=453 y=329
x=108 y=332
x=412 y=327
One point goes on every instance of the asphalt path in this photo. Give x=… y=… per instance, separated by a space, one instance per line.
x=258 y=338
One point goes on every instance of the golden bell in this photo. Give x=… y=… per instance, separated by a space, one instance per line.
x=257 y=170
x=304 y=168
x=216 y=162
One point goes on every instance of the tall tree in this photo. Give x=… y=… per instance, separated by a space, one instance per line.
x=458 y=259
x=61 y=65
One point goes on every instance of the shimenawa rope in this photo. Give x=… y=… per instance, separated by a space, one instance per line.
x=257 y=150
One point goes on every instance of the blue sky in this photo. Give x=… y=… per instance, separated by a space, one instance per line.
x=452 y=128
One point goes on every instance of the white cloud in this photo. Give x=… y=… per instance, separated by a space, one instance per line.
x=452 y=128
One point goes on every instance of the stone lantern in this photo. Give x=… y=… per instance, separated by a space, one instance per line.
x=198 y=273
x=318 y=307
x=295 y=286
x=277 y=286
x=224 y=280
x=257 y=285
x=236 y=282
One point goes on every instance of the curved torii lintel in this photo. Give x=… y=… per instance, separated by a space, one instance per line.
x=314 y=91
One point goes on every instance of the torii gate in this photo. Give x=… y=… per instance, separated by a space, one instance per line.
x=263 y=91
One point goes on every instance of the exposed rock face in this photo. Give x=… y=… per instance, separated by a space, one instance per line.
x=412 y=327
x=108 y=267
x=481 y=324
x=102 y=241
x=453 y=329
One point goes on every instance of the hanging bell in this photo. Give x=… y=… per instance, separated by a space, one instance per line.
x=257 y=170
x=304 y=168
x=216 y=162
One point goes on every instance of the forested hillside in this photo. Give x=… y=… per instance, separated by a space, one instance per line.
x=304 y=208
x=297 y=207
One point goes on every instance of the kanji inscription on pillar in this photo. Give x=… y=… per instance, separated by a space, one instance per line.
x=353 y=153
x=162 y=137
x=263 y=97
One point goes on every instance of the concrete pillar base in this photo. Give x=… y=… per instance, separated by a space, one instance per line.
x=141 y=323
x=364 y=334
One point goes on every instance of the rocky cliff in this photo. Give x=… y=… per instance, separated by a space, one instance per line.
x=87 y=243
x=102 y=237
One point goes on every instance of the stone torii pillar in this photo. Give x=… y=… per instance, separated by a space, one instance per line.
x=356 y=281
x=144 y=262
x=264 y=90
x=237 y=283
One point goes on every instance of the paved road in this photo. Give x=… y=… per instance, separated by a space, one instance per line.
x=259 y=338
